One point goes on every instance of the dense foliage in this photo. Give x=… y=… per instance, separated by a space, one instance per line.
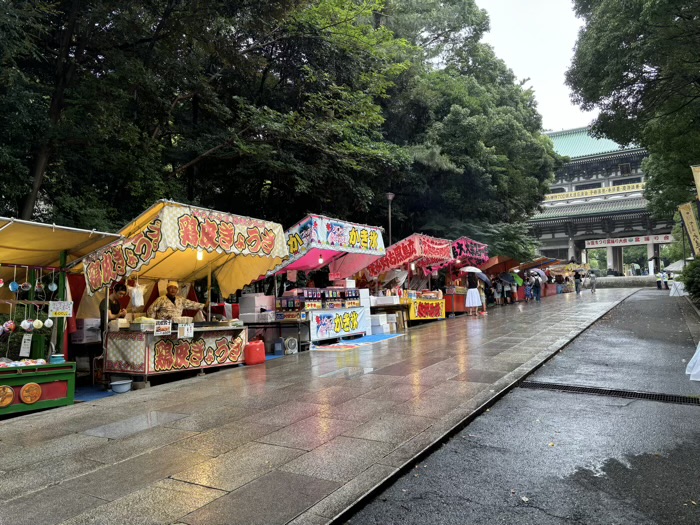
x=637 y=62
x=271 y=109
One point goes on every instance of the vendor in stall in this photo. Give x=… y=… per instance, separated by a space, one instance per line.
x=171 y=305
x=115 y=311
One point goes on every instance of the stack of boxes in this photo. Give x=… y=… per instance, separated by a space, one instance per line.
x=366 y=319
x=384 y=324
x=256 y=308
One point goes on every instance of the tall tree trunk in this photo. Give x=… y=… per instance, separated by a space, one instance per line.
x=65 y=68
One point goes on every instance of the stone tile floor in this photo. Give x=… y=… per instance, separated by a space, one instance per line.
x=296 y=440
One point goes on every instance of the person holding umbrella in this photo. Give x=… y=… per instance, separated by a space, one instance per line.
x=473 y=297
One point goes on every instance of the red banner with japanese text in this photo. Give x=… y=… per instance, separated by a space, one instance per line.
x=427 y=250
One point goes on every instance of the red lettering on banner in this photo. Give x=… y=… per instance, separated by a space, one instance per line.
x=222 y=350
x=254 y=240
x=268 y=241
x=188 y=231
x=208 y=239
x=108 y=273
x=236 y=347
x=182 y=353
x=119 y=261
x=94 y=274
x=226 y=234
x=163 y=355
x=132 y=261
x=240 y=242
x=196 y=353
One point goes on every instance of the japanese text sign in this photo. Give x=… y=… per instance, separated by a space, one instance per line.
x=60 y=308
x=416 y=247
x=691 y=226
x=183 y=228
x=332 y=234
x=629 y=241
x=327 y=324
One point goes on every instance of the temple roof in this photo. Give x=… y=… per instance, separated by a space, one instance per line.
x=600 y=207
x=577 y=144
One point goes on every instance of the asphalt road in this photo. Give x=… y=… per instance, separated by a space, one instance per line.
x=549 y=457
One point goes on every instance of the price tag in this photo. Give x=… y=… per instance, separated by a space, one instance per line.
x=60 y=308
x=185 y=331
x=26 y=348
x=163 y=327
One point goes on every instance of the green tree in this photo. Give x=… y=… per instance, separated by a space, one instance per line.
x=636 y=61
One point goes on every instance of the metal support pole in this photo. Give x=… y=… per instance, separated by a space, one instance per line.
x=61 y=322
x=209 y=292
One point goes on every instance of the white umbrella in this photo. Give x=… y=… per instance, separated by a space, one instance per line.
x=470 y=269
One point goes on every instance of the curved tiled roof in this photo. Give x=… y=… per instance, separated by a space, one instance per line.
x=600 y=207
x=578 y=143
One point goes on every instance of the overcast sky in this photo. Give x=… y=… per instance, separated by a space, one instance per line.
x=536 y=38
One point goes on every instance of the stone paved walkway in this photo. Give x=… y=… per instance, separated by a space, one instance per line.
x=297 y=440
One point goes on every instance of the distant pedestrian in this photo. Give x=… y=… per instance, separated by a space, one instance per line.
x=498 y=291
x=593 y=281
x=473 y=301
x=664 y=278
x=658 y=280
x=506 y=292
x=537 y=287
x=577 y=282
x=528 y=288
x=482 y=294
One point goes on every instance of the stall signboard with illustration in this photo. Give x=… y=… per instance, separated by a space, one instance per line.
x=424 y=309
x=330 y=324
x=422 y=249
x=317 y=241
x=331 y=234
x=173 y=228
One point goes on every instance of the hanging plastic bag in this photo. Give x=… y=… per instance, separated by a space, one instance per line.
x=136 y=293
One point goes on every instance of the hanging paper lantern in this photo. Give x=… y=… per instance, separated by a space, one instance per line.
x=9 y=326
x=38 y=324
x=48 y=323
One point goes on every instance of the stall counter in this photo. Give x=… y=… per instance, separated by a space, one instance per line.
x=146 y=354
x=455 y=299
x=424 y=309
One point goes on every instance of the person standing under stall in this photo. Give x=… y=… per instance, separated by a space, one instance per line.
x=498 y=291
x=528 y=288
x=506 y=292
x=473 y=298
x=115 y=311
x=577 y=282
x=171 y=304
x=537 y=287
x=482 y=294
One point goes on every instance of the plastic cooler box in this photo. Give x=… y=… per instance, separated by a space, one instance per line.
x=254 y=353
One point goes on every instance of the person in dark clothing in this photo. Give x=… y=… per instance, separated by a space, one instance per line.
x=115 y=310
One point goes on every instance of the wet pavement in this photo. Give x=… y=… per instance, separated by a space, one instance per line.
x=296 y=440
x=551 y=458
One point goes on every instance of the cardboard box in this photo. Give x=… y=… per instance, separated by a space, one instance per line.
x=345 y=283
x=384 y=301
x=254 y=303
x=88 y=331
x=262 y=317
x=391 y=318
x=382 y=329
x=364 y=294
x=378 y=319
x=392 y=328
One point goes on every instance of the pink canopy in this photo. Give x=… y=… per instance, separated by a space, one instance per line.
x=467 y=252
x=420 y=249
x=317 y=241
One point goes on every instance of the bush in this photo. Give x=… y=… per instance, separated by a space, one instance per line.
x=690 y=277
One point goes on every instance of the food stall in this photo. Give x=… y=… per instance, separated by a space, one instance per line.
x=172 y=242
x=465 y=252
x=420 y=254
x=541 y=264
x=34 y=305
x=346 y=248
